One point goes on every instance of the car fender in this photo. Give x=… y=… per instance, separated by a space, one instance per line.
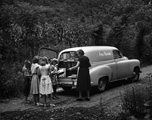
x=98 y=72
x=134 y=63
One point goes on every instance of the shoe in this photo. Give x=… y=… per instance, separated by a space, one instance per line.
x=87 y=99
x=79 y=99
x=40 y=104
x=53 y=98
x=53 y=105
x=37 y=104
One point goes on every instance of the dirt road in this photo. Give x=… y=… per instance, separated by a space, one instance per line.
x=110 y=98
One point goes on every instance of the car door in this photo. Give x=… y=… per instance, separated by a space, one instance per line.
x=122 y=65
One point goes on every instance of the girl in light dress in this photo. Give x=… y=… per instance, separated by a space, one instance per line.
x=46 y=89
x=54 y=77
x=35 y=80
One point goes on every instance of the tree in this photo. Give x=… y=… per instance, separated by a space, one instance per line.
x=116 y=36
x=98 y=35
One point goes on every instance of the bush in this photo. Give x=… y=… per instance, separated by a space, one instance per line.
x=133 y=101
x=149 y=107
x=11 y=80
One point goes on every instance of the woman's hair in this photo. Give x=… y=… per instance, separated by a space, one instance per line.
x=27 y=64
x=81 y=52
x=35 y=59
x=54 y=60
x=46 y=59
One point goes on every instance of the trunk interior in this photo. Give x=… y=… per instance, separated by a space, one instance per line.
x=65 y=65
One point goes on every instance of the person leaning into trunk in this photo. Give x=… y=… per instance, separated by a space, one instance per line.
x=83 y=79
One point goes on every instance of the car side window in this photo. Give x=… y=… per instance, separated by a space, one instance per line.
x=116 y=54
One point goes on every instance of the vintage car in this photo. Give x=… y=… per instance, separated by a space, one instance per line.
x=107 y=65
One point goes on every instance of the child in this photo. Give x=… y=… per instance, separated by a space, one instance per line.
x=35 y=80
x=45 y=82
x=54 y=77
x=27 y=78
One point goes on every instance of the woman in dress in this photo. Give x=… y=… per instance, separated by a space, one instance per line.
x=35 y=80
x=45 y=82
x=83 y=80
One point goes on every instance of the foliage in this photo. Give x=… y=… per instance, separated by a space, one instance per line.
x=133 y=101
x=115 y=36
x=29 y=25
x=11 y=81
x=98 y=35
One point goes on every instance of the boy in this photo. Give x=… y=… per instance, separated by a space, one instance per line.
x=27 y=78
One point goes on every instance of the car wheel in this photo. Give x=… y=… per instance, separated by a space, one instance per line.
x=67 y=89
x=102 y=83
x=136 y=75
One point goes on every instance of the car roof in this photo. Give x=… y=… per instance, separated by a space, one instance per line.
x=90 y=48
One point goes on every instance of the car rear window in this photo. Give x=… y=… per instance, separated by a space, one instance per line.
x=68 y=56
